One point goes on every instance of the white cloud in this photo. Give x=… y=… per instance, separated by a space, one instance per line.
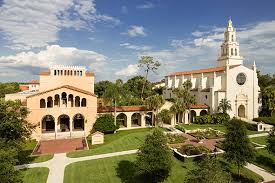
x=135 y=31
x=136 y=47
x=28 y=24
x=197 y=33
x=130 y=70
x=52 y=55
x=147 y=5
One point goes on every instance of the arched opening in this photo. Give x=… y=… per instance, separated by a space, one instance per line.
x=203 y=112
x=122 y=120
x=42 y=103
x=78 y=122
x=236 y=52
x=49 y=102
x=48 y=124
x=136 y=120
x=241 y=111
x=149 y=119
x=64 y=99
x=71 y=100
x=232 y=52
x=232 y=38
x=64 y=122
x=77 y=101
x=56 y=100
x=83 y=102
x=193 y=115
x=71 y=73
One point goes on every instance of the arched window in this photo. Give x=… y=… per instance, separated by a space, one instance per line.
x=77 y=101
x=42 y=103
x=54 y=72
x=83 y=102
x=80 y=73
x=75 y=73
x=232 y=51
x=65 y=72
x=58 y=72
x=49 y=102
x=236 y=52
x=61 y=72
x=232 y=38
x=71 y=73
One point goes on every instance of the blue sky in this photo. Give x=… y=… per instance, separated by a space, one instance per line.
x=108 y=37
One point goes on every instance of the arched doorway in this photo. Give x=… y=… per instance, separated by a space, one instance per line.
x=64 y=122
x=78 y=122
x=203 y=112
x=136 y=119
x=48 y=124
x=241 y=111
x=122 y=120
x=193 y=115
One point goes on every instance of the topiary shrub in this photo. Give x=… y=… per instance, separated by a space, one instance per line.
x=218 y=118
x=105 y=124
x=267 y=120
x=206 y=119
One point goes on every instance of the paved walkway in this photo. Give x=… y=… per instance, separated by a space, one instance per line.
x=60 y=161
x=258 y=135
x=266 y=175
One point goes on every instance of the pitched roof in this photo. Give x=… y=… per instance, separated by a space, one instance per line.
x=206 y=70
x=45 y=73
x=33 y=82
x=88 y=73
x=102 y=109
x=199 y=106
x=23 y=87
x=64 y=86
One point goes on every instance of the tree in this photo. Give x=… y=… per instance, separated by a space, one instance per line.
x=149 y=64
x=271 y=141
x=238 y=149
x=269 y=102
x=154 y=102
x=105 y=124
x=184 y=98
x=101 y=86
x=164 y=116
x=224 y=106
x=208 y=170
x=7 y=88
x=154 y=158
x=112 y=95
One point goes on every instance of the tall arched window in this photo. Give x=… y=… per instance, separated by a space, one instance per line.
x=71 y=73
x=232 y=38
x=236 y=51
x=83 y=102
x=54 y=72
x=232 y=51
x=49 y=102
x=42 y=103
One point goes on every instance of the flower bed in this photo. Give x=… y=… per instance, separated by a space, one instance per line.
x=189 y=150
x=175 y=138
x=207 y=134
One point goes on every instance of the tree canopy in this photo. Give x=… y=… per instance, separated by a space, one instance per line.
x=224 y=106
x=6 y=88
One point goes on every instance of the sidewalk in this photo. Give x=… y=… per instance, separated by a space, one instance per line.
x=266 y=175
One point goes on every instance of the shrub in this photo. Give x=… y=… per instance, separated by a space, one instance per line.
x=175 y=138
x=250 y=126
x=181 y=128
x=105 y=124
x=218 y=118
x=267 y=120
x=190 y=149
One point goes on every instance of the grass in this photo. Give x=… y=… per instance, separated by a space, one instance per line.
x=120 y=141
x=35 y=175
x=24 y=156
x=120 y=169
x=259 y=140
x=265 y=160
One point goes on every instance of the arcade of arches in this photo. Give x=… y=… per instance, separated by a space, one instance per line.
x=63 y=100
x=63 y=123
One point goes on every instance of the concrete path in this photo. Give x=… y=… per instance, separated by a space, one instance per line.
x=258 y=135
x=266 y=175
x=60 y=161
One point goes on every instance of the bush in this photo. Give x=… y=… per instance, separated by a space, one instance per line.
x=105 y=124
x=267 y=120
x=250 y=126
x=181 y=128
x=175 y=138
x=190 y=149
x=218 y=118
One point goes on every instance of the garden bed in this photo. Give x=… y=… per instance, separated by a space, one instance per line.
x=175 y=138
x=207 y=134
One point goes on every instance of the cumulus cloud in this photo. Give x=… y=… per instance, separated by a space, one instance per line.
x=28 y=24
x=135 y=31
x=136 y=47
x=147 y=5
x=53 y=55
x=130 y=70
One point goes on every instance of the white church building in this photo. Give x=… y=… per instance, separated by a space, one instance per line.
x=230 y=79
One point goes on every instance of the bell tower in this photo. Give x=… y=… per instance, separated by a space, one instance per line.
x=230 y=48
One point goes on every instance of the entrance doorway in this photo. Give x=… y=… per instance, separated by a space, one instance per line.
x=78 y=122
x=64 y=121
x=241 y=111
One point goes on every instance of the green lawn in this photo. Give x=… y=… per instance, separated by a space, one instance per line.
x=120 y=169
x=219 y=127
x=25 y=157
x=35 y=175
x=265 y=159
x=259 y=140
x=120 y=141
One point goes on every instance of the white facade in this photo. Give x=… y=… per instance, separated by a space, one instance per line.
x=230 y=79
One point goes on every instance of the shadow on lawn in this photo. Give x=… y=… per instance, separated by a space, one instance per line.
x=266 y=162
x=128 y=172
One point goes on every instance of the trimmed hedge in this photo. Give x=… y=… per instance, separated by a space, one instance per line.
x=190 y=149
x=218 y=118
x=267 y=120
x=105 y=124
x=251 y=127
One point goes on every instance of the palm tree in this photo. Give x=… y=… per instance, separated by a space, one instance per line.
x=224 y=106
x=112 y=95
x=164 y=116
x=154 y=102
